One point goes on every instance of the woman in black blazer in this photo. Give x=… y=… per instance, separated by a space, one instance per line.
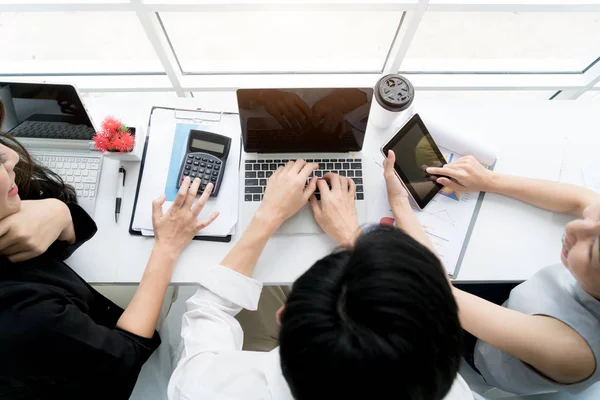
x=60 y=338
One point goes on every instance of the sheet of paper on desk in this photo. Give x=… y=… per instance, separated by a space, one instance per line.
x=591 y=177
x=165 y=151
x=446 y=219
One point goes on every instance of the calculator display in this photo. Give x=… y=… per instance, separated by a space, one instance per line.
x=198 y=144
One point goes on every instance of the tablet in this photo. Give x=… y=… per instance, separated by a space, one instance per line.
x=415 y=151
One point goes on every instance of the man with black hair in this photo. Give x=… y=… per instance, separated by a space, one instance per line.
x=375 y=319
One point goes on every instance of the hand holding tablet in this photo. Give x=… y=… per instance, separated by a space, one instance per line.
x=415 y=152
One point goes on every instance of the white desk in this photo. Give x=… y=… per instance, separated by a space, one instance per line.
x=511 y=241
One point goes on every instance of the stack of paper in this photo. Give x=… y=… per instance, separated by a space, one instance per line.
x=166 y=150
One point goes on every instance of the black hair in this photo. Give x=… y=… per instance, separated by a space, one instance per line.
x=34 y=180
x=377 y=321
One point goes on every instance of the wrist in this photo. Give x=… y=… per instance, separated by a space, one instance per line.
x=400 y=207
x=492 y=182
x=165 y=251
x=349 y=239
x=266 y=222
x=67 y=233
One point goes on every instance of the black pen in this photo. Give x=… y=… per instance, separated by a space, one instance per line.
x=121 y=184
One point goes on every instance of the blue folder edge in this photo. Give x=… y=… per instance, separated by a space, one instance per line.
x=222 y=239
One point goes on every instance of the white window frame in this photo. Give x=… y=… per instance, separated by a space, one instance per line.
x=568 y=84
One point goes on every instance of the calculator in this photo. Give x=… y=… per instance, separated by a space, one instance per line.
x=205 y=158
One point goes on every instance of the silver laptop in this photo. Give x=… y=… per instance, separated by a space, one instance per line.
x=52 y=123
x=326 y=126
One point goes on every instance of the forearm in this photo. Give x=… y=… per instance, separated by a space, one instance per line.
x=408 y=222
x=245 y=254
x=549 y=195
x=546 y=344
x=141 y=315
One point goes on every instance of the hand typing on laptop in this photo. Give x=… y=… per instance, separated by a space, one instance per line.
x=287 y=192
x=336 y=214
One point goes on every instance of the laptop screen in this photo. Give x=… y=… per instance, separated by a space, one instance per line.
x=45 y=111
x=304 y=120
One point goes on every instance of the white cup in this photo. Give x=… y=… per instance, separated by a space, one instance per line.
x=393 y=95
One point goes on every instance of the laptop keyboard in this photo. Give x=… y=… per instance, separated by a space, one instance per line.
x=79 y=172
x=53 y=130
x=257 y=172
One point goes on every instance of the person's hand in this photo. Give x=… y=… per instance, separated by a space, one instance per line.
x=328 y=116
x=397 y=194
x=29 y=232
x=286 y=192
x=287 y=108
x=176 y=228
x=466 y=175
x=336 y=214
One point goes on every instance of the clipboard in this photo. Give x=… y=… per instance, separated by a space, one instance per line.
x=205 y=118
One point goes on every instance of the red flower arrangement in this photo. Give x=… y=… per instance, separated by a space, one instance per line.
x=114 y=137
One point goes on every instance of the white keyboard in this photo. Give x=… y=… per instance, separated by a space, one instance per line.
x=80 y=172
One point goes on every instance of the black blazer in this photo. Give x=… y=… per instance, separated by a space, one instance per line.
x=58 y=338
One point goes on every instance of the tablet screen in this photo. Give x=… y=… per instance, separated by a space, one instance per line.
x=415 y=151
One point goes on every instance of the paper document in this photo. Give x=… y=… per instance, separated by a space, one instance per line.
x=165 y=152
x=591 y=177
x=449 y=218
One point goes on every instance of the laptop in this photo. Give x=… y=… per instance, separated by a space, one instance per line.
x=325 y=126
x=52 y=123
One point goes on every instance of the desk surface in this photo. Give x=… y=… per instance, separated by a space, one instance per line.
x=510 y=241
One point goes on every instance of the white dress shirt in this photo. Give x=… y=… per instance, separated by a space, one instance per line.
x=213 y=365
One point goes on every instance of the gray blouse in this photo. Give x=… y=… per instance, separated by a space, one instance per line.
x=553 y=292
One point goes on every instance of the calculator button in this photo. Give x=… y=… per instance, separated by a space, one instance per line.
x=217 y=168
x=204 y=182
x=211 y=161
x=186 y=172
x=187 y=167
x=218 y=162
x=196 y=163
x=209 y=166
x=201 y=171
x=204 y=159
x=203 y=165
x=190 y=156
x=214 y=179
x=202 y=187
x=195 y=169
x=215 y=173
x=193 y=175
x=206 y=177
x=188 y=161
x=197 y=157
